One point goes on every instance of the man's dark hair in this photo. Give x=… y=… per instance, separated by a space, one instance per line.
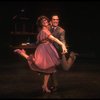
x=55 y=14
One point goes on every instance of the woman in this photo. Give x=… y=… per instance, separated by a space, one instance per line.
x=45 y=58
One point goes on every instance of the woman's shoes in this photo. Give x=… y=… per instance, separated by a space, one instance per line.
x=20 y=51
x=17 y=50
x=53 y=88
x=46 y=90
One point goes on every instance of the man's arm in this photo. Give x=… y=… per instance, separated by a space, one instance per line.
x=62 y=37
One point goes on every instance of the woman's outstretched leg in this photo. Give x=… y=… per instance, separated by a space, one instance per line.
x=22 y=53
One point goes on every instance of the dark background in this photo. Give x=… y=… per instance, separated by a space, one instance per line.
x=79 y=18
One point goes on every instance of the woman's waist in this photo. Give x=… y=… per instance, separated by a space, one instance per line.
x=44 y=41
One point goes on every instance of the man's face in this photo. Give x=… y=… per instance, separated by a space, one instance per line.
x=55 y=21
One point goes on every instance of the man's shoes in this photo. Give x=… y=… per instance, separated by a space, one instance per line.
x=73 y=55
x=53 y=88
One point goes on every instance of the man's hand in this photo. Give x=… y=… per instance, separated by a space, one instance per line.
x=64 y=49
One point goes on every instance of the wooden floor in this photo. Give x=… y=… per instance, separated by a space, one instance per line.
x=81 y=81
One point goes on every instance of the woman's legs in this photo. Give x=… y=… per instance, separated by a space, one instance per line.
x=45 y=83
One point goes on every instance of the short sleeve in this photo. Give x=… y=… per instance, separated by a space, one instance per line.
x=44 y=34
x=47 y=32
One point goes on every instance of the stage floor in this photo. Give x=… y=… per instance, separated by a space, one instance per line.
x=81 y=81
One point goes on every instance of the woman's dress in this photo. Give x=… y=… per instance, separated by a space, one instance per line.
x=45 y=58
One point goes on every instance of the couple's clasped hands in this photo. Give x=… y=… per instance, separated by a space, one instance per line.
x=64 y=49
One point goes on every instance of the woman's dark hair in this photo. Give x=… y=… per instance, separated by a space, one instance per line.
x=39 y=21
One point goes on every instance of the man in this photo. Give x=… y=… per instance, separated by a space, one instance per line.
x=58 y=32
x=67 y=60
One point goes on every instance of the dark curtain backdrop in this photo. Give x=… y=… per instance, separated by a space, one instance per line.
x=79 y=18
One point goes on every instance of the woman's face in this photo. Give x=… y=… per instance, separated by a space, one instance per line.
x=45 y=22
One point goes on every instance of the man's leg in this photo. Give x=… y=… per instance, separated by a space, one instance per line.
x=53 y=81
x=67 y=63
